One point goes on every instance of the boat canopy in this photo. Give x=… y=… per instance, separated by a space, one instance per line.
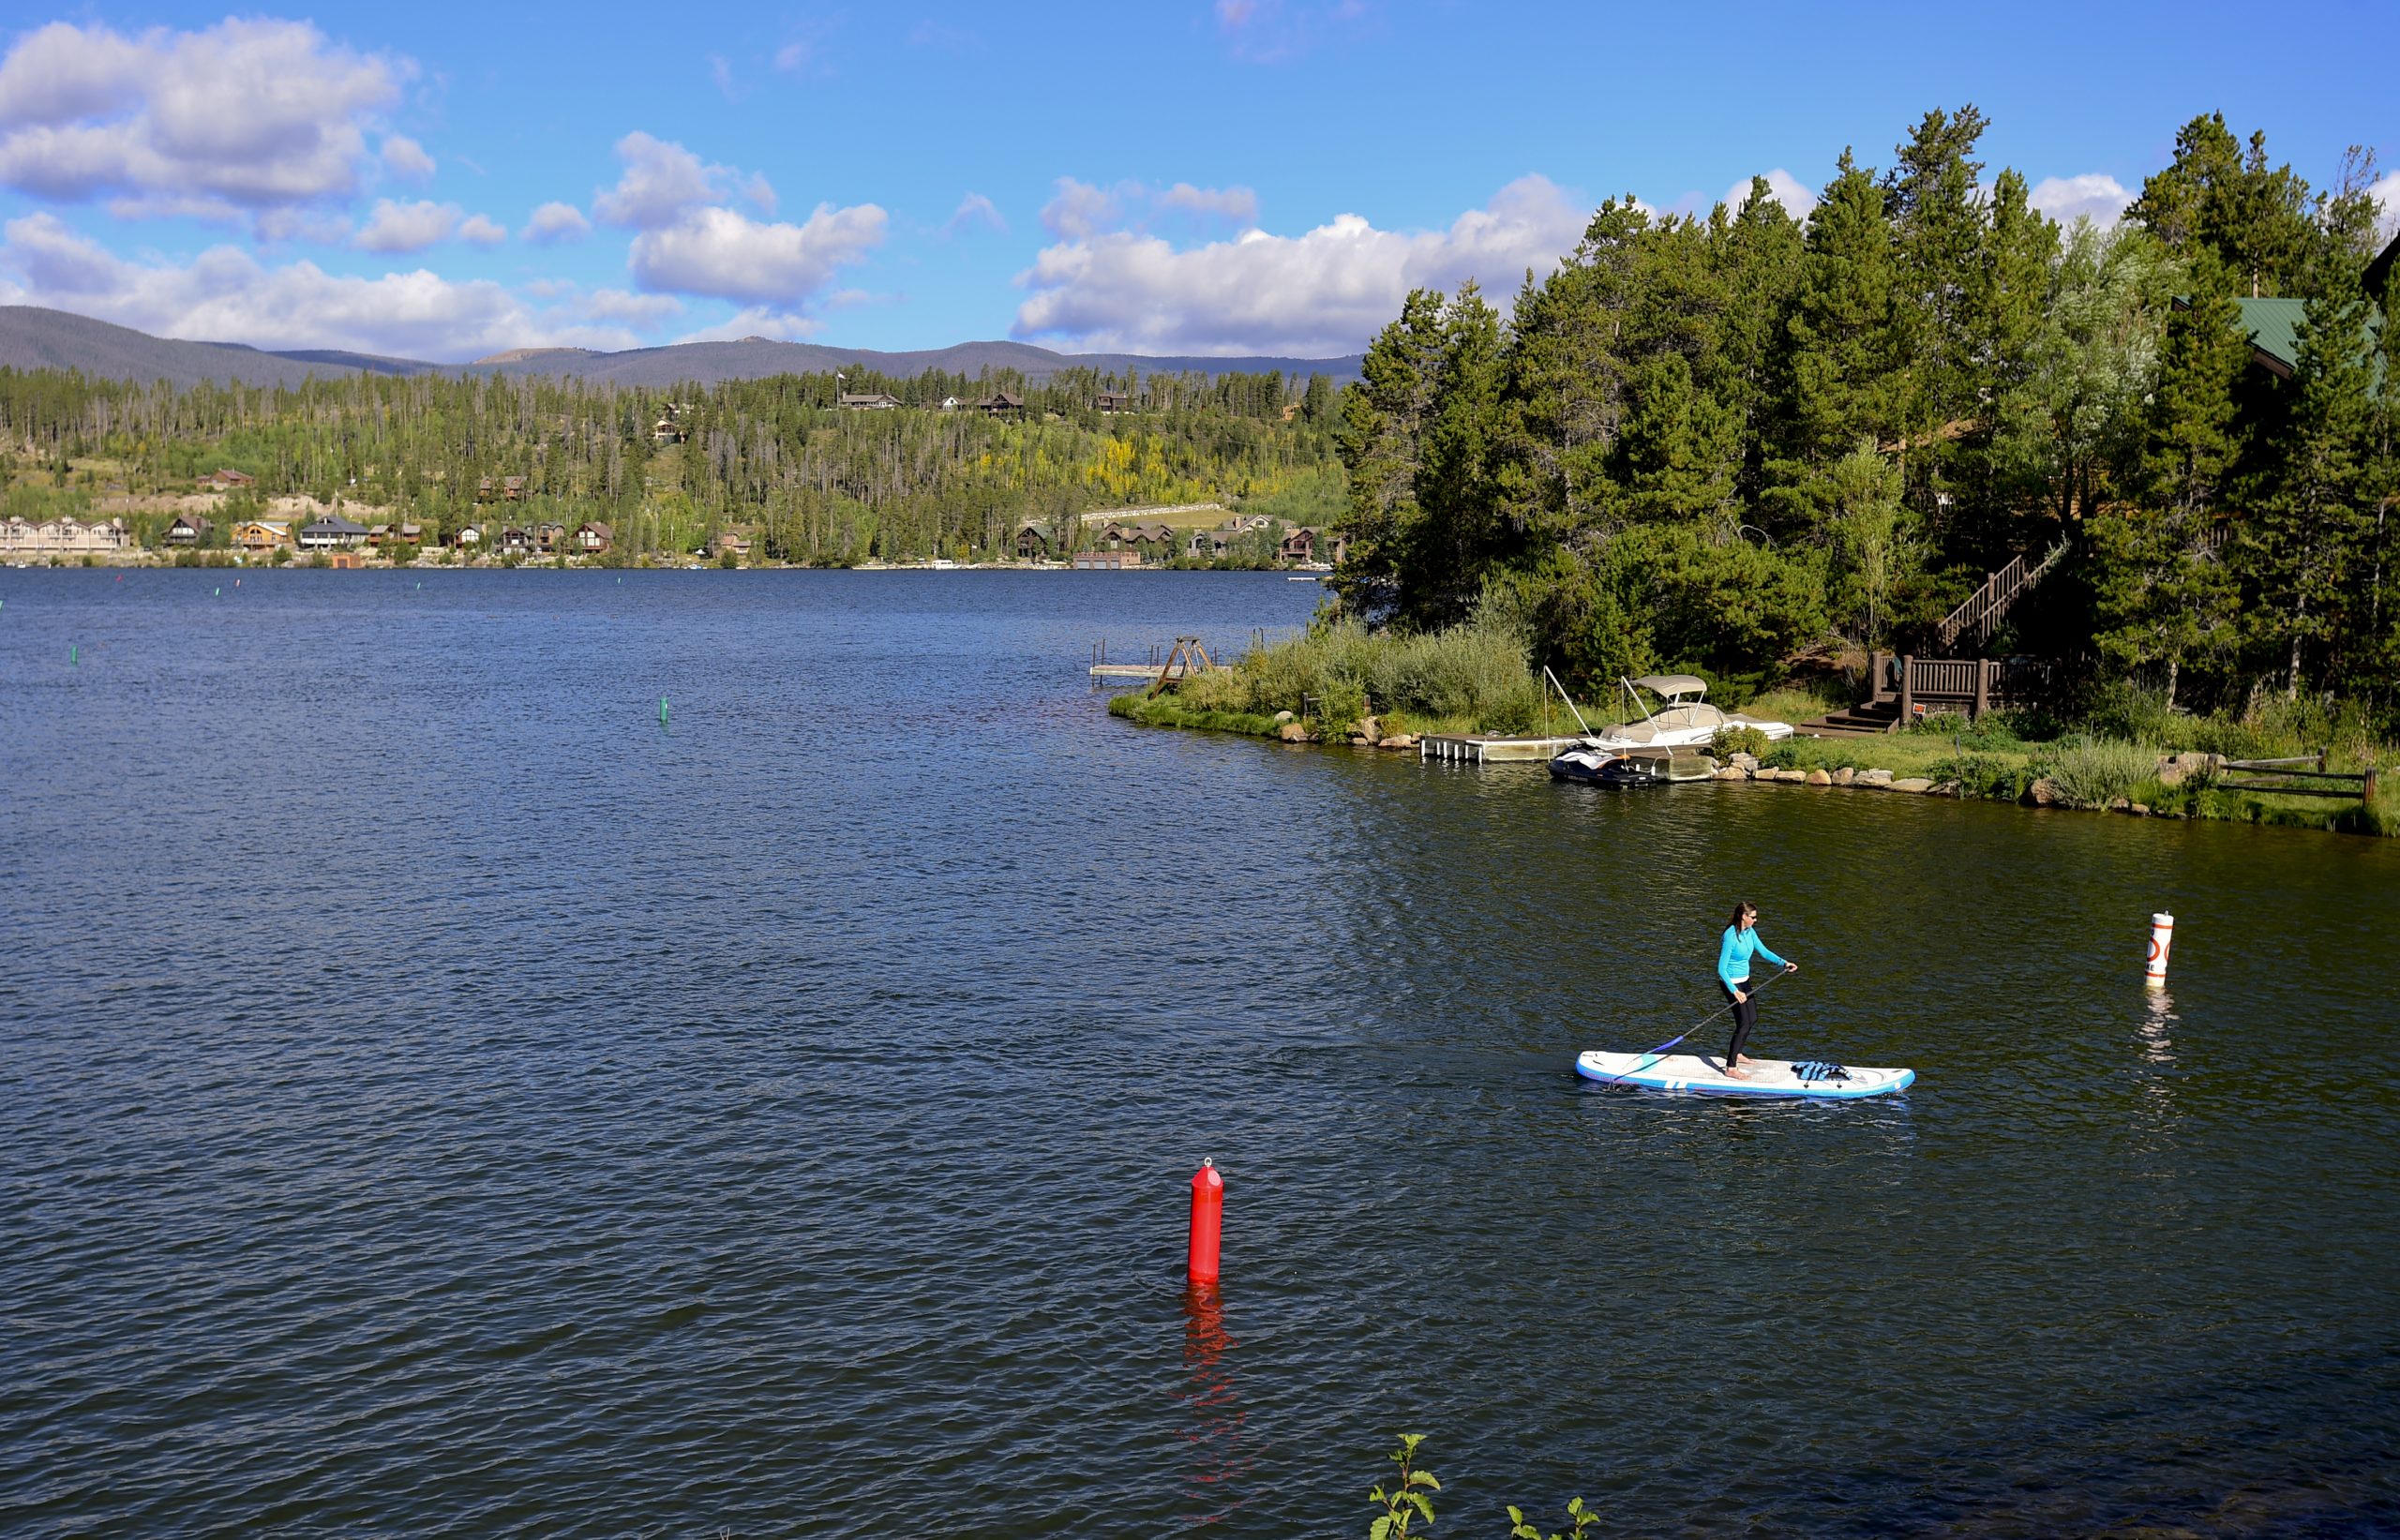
x=1672 y=685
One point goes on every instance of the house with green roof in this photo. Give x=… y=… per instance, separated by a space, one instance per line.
x=2273 y=324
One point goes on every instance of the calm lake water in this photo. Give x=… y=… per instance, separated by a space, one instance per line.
x=440 y=1099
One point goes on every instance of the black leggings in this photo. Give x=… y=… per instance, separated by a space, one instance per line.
x=1745 y=1016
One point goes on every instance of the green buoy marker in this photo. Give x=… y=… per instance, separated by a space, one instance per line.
x=72 y=653
x=662 y=710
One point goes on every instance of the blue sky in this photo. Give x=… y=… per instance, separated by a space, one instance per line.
x=1218 y=176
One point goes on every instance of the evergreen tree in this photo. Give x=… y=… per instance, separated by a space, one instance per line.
x=2252 y=218
x=1381 y=439
x=1459 y=539
x=1841 y=365
x=2311 y=527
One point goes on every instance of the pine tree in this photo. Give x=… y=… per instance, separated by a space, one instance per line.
x=1844 y=331
x=1459 y=539
x=2251 y=217
x=2311 y=525
x=1381 y=439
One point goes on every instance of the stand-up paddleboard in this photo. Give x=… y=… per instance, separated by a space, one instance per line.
x=1767 y=1076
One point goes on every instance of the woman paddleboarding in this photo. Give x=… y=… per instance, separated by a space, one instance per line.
x=1733 y=971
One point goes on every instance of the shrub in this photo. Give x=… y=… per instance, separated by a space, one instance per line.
x=2093 y=772
x=1474 y=672
x=1985 y=775
x=1730 y=741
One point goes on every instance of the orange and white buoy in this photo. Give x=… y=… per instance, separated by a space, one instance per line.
x=2161 y=937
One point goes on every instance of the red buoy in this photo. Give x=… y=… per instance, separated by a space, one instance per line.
x=1207 y=1219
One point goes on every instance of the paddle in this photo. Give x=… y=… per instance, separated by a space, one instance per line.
x=1646 y=1060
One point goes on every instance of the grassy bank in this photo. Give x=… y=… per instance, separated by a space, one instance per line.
x=1476 y=679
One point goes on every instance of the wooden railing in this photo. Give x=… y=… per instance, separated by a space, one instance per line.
x=2308 y=768
x=1974 y=685
x=1983 y=609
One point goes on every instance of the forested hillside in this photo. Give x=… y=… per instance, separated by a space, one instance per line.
x=1715 y=440
x=777 y=457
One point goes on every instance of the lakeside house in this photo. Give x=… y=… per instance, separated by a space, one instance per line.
x=226 y=481
x=262 y=534
x=508 y=489
x=1311 y=543
x=549 y=538
x=869 y=401
x=1153 y=540
x=187 y=530
x=1000 y=403
x=1106 y=561
x=1032 y=543
x=591 y=539
x=468 y=538
x=331 y=533
x=515 y=540
x=732 y=540
x=67 y=536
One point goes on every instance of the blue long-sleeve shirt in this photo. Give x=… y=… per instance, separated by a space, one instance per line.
x=1733 y=957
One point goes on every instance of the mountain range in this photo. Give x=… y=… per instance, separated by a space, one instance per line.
x=32 y=337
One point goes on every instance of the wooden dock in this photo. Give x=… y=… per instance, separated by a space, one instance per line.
x=1483 y=749
x=1144 y=671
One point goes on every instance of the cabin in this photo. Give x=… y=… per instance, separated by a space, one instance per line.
x=1111 y=401
x=732 y=540
x=188 y=529
x=262 y=534
x=331 y=533
x=1299 y=546
x=516 y=541
x=591 y=539
x=951 y=403
x=1032 y=543
x=869 y=401
x=1000 y=403
x=62 y=537
x=1152 y=540
x=226 y=481
x=468 y=538
x=409 y=534
x=667 y=430
x=1106 y=561
x=378 y=536
x=1209 y=545
x=549 y=538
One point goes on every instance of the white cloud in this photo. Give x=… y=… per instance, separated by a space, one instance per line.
x=482 y=230
x=1323 y=293
x=226 y=294
x=405 y=158
x=2386 y=193
x=554 y=222
x=407 y=227
x=1785 y=189
x=1078 y=210
x=758 y=321
x=633 y=309
x=2093 y=195
x=1239 y=205
x=792 y=56
x=973 y=209
x=259 y=113
x=663 y=179
x=717 y=251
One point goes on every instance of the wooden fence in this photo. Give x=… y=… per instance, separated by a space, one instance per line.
x=2359 y=785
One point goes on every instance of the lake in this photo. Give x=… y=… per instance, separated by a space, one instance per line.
x=441 y=1097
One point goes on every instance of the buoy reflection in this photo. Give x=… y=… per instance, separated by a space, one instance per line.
x=1214 y=1427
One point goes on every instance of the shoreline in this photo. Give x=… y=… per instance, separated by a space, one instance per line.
x=1912 y=764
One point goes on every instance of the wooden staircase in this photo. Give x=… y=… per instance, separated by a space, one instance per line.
x=1980 y=616
x=1874 y=717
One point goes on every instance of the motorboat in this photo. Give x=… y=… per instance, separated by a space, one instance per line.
x=1681 y=719
x=1638 y=767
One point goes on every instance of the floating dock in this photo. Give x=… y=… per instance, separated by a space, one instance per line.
x=1481 y=748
